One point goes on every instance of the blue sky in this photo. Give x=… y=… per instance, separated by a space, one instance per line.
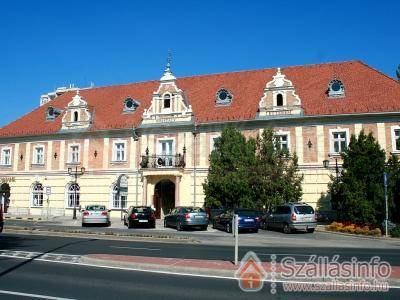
x=46 y=44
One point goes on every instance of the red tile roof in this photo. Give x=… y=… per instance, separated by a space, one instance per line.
x=366 y=89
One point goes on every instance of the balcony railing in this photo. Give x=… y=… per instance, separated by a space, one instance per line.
x=163 y=161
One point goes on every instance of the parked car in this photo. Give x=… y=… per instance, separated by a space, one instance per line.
x=140 y=216
x=212 y=212
x=95 y=214
x=290 y=217
x=185 y=217
x=248 y=220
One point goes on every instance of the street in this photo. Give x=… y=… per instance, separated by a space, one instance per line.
x=62 y=278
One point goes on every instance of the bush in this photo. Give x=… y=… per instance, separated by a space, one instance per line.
x=376 y=232
x=395 y=232
x=335 y=226
x=349 y=228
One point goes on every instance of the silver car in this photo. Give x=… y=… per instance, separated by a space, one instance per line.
x=290 y=217
x=185 y=217
x=95 y=214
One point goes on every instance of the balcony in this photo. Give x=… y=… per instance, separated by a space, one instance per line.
x=160 y=161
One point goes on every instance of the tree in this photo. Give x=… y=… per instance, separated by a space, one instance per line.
x=228 y=182
x=393 y=170
x=359 y=192
x=277 y=174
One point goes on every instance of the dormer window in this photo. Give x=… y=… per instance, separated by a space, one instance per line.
x=223 y=97
x=52 y=113
x=76 y=116
x=130 y=105
x=167 y=101
x=279 y=100
x=336 y=89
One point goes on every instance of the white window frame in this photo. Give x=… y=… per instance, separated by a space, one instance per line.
x=3 y=156
x=35 y=160
x=280 y=133
x=159 y=149
x=71 y=193
x=114 y=155
x=275 y=99
x=393 y=138
x=37 y=194
x=114 y=200
x=332 y=142
x=70 y=154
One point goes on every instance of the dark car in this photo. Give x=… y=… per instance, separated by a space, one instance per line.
x=140 y=216
x=248 y=220
x=185 y=217
x=213 y=212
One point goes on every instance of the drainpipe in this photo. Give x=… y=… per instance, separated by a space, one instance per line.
x=195 y=131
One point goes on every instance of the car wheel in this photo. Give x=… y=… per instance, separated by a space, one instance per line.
x=204 y=227
x=214 y=226
x=256 y=230
x=286 y=229
x=310 y=230
x=165 y=223
x=179 y=226
x=228 y=228
x=130 y=225
x=153 y=225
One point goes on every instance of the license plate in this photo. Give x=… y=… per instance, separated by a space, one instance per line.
x=198 y=217
x=143 y=221
x=248 y=220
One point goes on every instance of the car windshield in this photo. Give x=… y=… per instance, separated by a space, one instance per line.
x=95 y=207
x=304 y=210
x=247 y=212
x=141 y=209
x=192 y=210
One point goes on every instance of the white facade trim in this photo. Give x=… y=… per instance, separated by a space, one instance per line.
x=393 y=138
x=6 y=160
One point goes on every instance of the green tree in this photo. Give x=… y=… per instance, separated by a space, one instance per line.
x=277 y=178
x=358 y=194
x=228 y=182
x=393 y=169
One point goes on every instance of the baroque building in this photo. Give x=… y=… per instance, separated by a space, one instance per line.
x=149 y=142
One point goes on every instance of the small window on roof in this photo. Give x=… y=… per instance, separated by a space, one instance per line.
x=130 y=105
x=279 y=100
x=335 y=89
x=52 y=113
x=223 y=97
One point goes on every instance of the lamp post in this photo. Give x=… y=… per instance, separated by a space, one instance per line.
x=326 y=164
x=75 y=173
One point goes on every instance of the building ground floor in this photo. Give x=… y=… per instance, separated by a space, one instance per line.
x=55 y=194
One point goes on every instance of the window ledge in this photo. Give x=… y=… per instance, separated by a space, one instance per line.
x=73 y=163
x=37 y=165
x=5 y=166
x=335 y=154
x=118 y=162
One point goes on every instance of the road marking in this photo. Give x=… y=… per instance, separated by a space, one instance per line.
x=283 y=254
x=32 y=295
x=150 y=249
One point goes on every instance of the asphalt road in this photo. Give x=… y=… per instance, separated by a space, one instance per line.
x=82 y=246
x=42 y=279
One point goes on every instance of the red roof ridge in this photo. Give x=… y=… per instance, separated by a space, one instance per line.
x=379 y=72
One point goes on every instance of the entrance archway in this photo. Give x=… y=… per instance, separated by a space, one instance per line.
x=164 y=197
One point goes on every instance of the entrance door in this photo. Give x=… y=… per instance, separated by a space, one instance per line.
x=164 y=197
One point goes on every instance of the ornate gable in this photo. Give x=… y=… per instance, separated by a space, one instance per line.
x=279 y=98
x=77 y=115
x=169 y=103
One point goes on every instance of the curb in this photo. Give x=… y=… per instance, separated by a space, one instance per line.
x=103 y=235
x=23 y=218
x=369 y=237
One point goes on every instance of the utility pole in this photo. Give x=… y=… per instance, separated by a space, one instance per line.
x=385 y=182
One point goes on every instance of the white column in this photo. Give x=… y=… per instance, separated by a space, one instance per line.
x=16 y=157
x=62 y=155
x=144 y=201
x=357 y=129
x=299 y=143
x=132 y=154
x=49 y=155
x=202 y=148
x=177 y=189
x=382 y=135
x=105 y=152
x=27 y=156
x=86 y=153
x=321 y=143
x=150 y=139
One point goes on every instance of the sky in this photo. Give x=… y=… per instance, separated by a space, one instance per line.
x=48 y=44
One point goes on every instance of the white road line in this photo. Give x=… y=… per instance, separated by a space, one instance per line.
x=283 y=254
x=150 y=249
x=33 y=295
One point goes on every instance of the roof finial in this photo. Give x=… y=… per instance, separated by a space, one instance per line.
x=169 y=61
x=77 y=92
x=167 y=72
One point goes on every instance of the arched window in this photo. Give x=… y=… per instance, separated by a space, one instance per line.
x=336 y=89
x=76 y=115
x=223 y=97
x=73 y=193
x=118 y=201
x=37 y=195
x=279 y=100
x=167 y=101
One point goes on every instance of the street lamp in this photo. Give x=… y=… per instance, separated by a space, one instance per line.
x=75 y=173
x=326 y=164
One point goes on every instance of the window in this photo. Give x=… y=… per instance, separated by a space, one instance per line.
x=283 y=141
x=335 y=89
x=223 y=97
x=6 y=156
x=119 y=201
x=167 y=101
x=213 y=139
x=338 y=141
x=76 y=116
x=74 y=154
x=165 y=153
x=279 y=100
x=130 y=105
x=38 y=156
x=395 y=138
x=119 y=151
x=37 y=195
x=52 y=113
x=73 y=194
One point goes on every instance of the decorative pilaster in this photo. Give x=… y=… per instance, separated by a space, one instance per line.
x=144 y=190
x=177 y=189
